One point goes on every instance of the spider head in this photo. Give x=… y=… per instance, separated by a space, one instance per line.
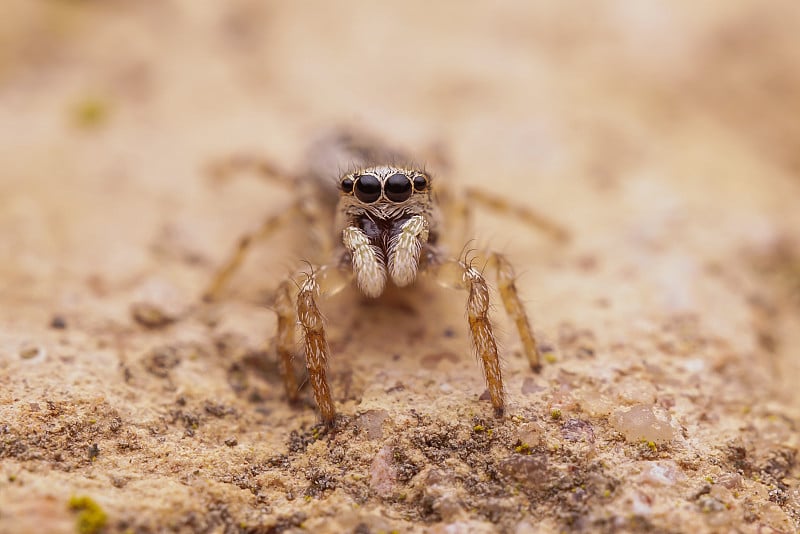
x=390 y=209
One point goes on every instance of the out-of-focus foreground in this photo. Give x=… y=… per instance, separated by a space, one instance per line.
x=665 y=137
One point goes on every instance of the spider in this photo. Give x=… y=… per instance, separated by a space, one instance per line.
x=387 y=218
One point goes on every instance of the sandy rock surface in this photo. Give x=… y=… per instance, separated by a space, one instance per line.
x=665 y=140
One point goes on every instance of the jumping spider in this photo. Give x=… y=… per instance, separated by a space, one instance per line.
x=386 y=220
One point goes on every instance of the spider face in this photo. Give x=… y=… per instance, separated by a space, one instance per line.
x=386 y=217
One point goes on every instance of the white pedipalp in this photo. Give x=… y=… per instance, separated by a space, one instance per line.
x=404 y=250
x=367 y=259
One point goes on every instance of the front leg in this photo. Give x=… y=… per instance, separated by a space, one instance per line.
x=483 y=336
x=327 y=281
x=460 y=275
x=316 y=347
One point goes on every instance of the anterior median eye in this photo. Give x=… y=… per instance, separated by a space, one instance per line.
x=368 y=188
x=397 y=187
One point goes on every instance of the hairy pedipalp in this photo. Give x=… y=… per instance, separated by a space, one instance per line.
x=404 y=249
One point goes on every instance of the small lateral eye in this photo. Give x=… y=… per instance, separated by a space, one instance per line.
x=347 y=185
x=420 y=182
x=397 y=187
x=368 y=188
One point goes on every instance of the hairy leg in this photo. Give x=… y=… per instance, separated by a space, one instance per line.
x=506 y=285
x=460 y=275
x=325 y=281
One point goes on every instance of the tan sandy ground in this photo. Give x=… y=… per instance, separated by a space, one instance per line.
x=667 y=141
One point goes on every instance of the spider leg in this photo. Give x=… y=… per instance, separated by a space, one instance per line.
x=461 y=275
x=326 y=281
x=224 y=169
x=519 y=211
x=287 y=321
x=506 y=285
x=234 y=261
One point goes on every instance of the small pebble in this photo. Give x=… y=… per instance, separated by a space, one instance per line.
x=642 y=423
x=382 y=473
x=371 y=422
x=150 y=315
x=530 y=434
x=661 y=473
x=31 y=351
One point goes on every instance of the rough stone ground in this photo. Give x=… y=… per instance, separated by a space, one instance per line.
x=667 y=141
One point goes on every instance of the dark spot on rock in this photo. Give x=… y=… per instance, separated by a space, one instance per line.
x=320 y=481
x=779 y=463
x=737 y=456
x=298 y=441
x=218 y=409
x=398 y=386
x=161 y=360
x=704 y=490
x=406 y=469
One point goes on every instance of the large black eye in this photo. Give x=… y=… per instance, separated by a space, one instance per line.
x=397 y=187
x=368 y=188
x=347 y=185
x=420 y=183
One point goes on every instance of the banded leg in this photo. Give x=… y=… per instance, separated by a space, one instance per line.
x=287 y=321
x=506 y=285
x=327 y=281
x=268 y=227
x=316 y=348
x=460 y=275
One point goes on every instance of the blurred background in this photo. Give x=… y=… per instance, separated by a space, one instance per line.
x=665 y=137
